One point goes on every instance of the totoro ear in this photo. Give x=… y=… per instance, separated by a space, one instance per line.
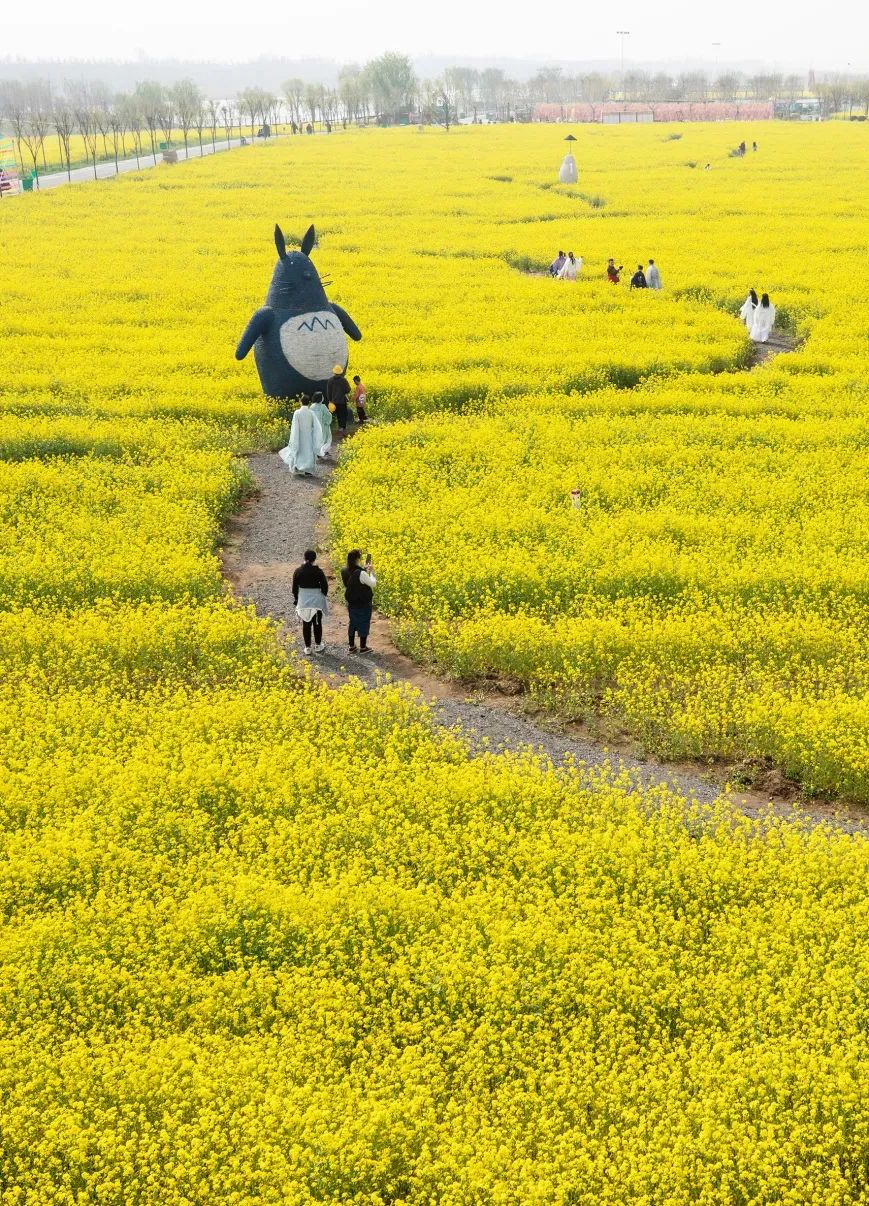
x=280 y=242
x=309 y=240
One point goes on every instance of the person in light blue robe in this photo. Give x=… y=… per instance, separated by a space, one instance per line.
x=300 y=454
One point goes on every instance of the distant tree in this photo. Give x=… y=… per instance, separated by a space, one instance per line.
x=212 y=111
x=83 y=107
x=101 y=106
x=833 y=92
x=692 y=86
x=393 y=85
x=13 y=108
x=187 y=103
x=227 y=112
x=548 y=85
x=250 y=101
x=726 y=86
x=793 y=85
x=38 y=120
x=63 y=120
x=135 y=121
x=167 y=114
x=294 y=94
x=443 y=99
x=350 y=91
x=117 y=119
x=150 y=99
x=200 y=120
x=464 y=82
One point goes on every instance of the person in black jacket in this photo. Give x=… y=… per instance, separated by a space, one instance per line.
x=359 y=582
x=310 y=589
x=337 y=389
x=638 y=280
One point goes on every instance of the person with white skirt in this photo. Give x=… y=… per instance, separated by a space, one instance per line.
x=571 y=268
x=764 y=320
x=749 y=306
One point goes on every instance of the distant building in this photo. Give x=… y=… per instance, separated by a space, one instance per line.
x=806 y=108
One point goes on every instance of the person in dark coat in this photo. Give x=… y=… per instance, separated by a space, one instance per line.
x=359 y=582
x=638 y=280
x=337 y=391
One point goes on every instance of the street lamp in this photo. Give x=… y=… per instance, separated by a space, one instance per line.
x=623 y=33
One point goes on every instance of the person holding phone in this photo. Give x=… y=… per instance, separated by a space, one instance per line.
x=359 y=582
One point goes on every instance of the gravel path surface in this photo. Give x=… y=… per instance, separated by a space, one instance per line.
x=265 y=543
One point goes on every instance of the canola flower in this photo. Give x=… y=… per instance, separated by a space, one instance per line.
x=266 y=941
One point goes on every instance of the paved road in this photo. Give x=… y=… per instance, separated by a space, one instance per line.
x=105 y=171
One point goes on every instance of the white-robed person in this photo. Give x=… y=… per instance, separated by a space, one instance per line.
x=324 y=416
x=571 y=268
x=764 y=319
x=653 y=276
x=748 y=308
x=306 y=437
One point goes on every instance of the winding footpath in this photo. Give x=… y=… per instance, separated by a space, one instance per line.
x=266 y=541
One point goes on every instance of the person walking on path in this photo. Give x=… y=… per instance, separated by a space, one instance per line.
x=764 y=320
x=557 y=264
x=653 y=276
x=310 y=589
x=612 y=273
x=359 y=582
x=336 y=392
x=360 y=399
x=638 y=280
x=570 y=268
x=300 y=454
x=748 y=308
x=324 y=416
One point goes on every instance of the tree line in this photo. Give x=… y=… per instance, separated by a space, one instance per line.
x=386 y=89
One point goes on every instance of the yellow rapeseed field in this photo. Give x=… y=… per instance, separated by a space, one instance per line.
x=269 y=942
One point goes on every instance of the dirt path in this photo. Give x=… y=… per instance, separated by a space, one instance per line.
x=778 y=342
x=265 y=542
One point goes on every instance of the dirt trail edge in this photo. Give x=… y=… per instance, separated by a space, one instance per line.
x=265 y=542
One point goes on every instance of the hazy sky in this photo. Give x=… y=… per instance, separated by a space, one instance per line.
x=777 y=32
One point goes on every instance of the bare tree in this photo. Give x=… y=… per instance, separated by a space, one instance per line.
x=248 y=105
x=294 y=94
x=101 y=104
x=135 y=121
x=227 y=110
x=14 y=107
x=200 y=118
x=117 y=119
x=186 y=102
x=212 y=110
x=83 y=106
x=150 y=99
x=38 y=121
x=443 y=98
x=63 y=120
x=833 y=92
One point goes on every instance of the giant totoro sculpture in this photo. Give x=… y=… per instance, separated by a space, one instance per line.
x=298 y=335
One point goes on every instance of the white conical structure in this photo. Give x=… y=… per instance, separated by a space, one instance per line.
x=568 y=173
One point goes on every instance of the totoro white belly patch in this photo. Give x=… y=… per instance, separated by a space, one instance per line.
x=314 y=343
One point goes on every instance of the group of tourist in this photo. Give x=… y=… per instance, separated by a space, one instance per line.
x=310 y=441
x=568 y=267
x=311 y=428
x=311 y=597
x=758 y=316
